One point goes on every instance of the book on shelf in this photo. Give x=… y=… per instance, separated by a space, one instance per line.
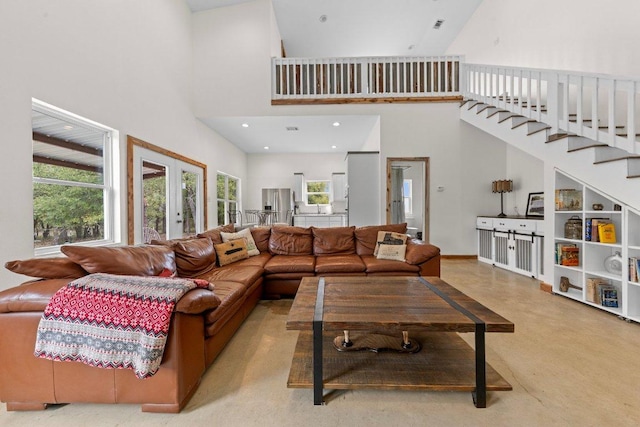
x=567 y=254
x=570 y=256
x=591 y=228
x=609 y=296
x=595 y=289
x=606 y=232
x=634 y=269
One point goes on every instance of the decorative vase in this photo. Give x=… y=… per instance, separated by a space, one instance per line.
x=613 y=263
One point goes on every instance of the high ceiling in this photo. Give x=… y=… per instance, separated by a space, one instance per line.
x=341 y=28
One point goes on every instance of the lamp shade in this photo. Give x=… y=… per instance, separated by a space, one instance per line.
x=502 y=186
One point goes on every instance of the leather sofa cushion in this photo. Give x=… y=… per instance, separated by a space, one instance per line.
x=197 y=301
x=193 y=256
x=47 y=268
x=214 y=233
x=339 y=264
x=374 y=265
x=290 y=264
x=419 y=251
x=289 y=240
x=261 y=236
x=366 y=237
x=230 y=293
x=246 y=274
x=256 y=261
x=333 y=241
x=30 y=296
x=146 y=260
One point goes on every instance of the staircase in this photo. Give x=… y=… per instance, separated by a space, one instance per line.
x=538 y=121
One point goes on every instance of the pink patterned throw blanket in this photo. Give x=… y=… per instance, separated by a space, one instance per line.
x=111 y=321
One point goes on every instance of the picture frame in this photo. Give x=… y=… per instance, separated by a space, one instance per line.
x=535 y=204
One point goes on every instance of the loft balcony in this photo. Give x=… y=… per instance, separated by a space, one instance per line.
x=365 y=80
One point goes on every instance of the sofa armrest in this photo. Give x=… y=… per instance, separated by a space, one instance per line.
x=419 y=252
x=30 y=296
x=197 y=301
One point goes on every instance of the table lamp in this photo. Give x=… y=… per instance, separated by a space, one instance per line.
x=502 y=186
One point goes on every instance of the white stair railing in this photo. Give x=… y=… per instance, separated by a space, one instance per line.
x=367 y=77
x=599 y=107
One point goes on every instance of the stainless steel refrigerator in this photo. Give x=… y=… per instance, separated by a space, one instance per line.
x=278 y=200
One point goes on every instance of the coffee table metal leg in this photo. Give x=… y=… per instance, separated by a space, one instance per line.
x=317 y=344
x=480 y=394
x=317 y=363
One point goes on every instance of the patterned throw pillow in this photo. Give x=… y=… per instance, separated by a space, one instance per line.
x=389 y=238
x=242 y=234
x=231 y=251
x=392 y=252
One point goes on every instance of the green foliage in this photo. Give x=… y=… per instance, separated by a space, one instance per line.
x=318 y=199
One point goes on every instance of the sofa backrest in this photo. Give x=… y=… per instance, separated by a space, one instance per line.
x=289 y=240
x=334 y=241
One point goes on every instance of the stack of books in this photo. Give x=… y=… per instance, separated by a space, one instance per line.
x=599 y=230
x=567 y=254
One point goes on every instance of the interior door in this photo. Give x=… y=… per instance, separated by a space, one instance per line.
x=168 y=196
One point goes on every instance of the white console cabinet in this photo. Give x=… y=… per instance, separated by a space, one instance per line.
x=513 y=243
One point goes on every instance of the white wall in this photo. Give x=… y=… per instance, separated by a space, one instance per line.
x=579 y=35
x=112 y=62
x=232 y=51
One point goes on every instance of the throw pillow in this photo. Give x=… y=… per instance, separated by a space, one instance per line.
x=389 y=238
x=392 y=252
x=242 y=234
x=231 y=251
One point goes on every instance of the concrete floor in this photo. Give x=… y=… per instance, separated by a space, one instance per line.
x=569 y=364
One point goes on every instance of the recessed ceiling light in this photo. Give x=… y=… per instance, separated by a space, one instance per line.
x=334 y=146
x=266 y=147
x=323 y=18
x=438 y=24
x=336 y=124
x=68 y=127
x=245 y=125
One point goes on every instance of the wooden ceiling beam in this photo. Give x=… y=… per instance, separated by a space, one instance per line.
x=66 y=164
x=51 y=140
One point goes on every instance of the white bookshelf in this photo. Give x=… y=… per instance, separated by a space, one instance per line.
x=592 y=255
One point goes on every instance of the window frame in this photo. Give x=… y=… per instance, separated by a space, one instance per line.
x=110 y=173
x=407 y=200
x=307 y=193
x=226 y=201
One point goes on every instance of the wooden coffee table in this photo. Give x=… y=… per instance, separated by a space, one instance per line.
x=424 y=308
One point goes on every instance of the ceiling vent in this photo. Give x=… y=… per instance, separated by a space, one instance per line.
x=438 y=24
x=292 y=128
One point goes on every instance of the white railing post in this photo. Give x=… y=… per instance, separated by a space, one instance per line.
x=553 y=100
x=631 y=117
x=612 y=114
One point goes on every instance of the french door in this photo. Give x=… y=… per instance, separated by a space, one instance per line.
x=168 y=196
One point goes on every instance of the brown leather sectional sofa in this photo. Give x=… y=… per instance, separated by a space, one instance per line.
x=203 y=321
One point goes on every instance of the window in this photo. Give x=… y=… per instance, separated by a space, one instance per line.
x=407 y=196
x=72 y=179
x=318 y=192
x=228 y=200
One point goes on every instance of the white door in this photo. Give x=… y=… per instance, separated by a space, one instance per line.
x=167 y=197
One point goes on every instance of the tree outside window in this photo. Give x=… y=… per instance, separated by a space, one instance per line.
x=318 y=192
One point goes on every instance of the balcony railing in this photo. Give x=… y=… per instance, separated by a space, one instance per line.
x=599 y=107
x=365 y=79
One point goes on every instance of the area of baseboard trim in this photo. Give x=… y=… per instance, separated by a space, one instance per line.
x=459 y=256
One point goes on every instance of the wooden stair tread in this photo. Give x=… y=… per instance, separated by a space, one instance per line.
x=557 y=136
x=615 y=159
x=595 y=144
